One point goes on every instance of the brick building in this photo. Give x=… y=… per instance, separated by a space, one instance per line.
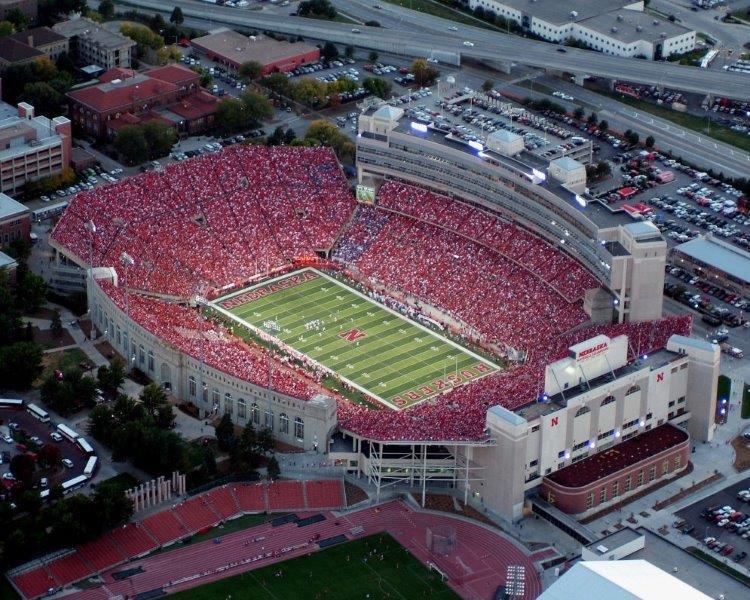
x=232 y=49
x=123 y=97
x=15 y=220
x=92 y=44
x=27 y=7
x=31 y=146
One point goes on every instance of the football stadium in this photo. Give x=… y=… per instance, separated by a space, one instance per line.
x=463 y=326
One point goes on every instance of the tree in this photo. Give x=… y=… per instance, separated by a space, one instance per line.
x=603 y=126
x=373 y=56
x=110 y=505
x=106 y=9
x=225 y=433
x=603 y=169
x=19 y=20
x=22 y=467
x=289 y=136
x=278 y=83
x=319 y=9
x=329 y=51
x=650 y=141
x=209 y=461
x=272 y=468
x=349 y=51
x=231 y=116
x=424 y=74
x=377 y=86
x=31 y=290
x=632 y=137
x=168 y=54
x=257 y=106
x=159 y=136
x=56 y=324
x=488 y=85
x=20 y=365
x=155 y=402
x=49 y=455
x=325 y=133
x=251 y=69
x=579 y=113
x=111 y=377
x=276 y=138
x=144 y=38
x=6 y=28
x=131 y=145
x=177 y=17
x=593 y=118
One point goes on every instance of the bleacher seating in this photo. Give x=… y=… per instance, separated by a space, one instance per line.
x=101 y=553
x=324 y=494
x=196 y=513
x=68 y=568
x=223 y=502
x=132 y=539
x=285 y=495
x=165 y=527
x=34 y=582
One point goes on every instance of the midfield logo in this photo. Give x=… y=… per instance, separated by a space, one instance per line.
x=352 y=335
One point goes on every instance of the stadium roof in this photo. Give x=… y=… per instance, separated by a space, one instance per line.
x=721 y=256
x=619 y=580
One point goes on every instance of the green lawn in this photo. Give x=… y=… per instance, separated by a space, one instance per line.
x=333 y=574
x=687 y=120
x=62 y=360
x=373 y=349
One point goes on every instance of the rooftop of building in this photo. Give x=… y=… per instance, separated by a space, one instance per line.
x=718 y=255
x=7 y=261
x=122 y=93
x=83 y=27
x=628 y=26
x=620 y=580
x=618 y=457
x=566 y=163
x=38 y=130
x=11 y=208
x=37 y=36
x=13 y=51
x=239 y=48
x=557 y=12
x=614 y=541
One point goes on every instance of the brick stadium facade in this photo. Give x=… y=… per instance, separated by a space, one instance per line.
x=618 y=473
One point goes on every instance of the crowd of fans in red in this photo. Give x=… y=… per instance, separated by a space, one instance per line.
x=212 y=221
x=219 y=220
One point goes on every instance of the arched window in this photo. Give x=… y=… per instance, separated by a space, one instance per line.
x=254 y=414
x=241 y=408
x=192 y=388
x=215 y=398
x=141 y=355
x=608 y=400
x=269 y=419
x=582 y=411
x=633 y=389
x=151 y=361
x=283 y=423
x=228 y=403
x=299 y=429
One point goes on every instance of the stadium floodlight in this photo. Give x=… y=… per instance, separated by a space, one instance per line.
x=641 y=423
x=540 y=175
x=476 y=145
x=421 y=127
x=617 y=433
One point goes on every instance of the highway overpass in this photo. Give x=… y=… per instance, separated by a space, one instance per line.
x=488 y=46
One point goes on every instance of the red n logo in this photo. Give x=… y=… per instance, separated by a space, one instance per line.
x=659 y=377
x=352 y=335
x=554 y=421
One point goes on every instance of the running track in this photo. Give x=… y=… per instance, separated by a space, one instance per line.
x=475 y=570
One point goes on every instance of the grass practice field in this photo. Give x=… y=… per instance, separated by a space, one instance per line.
x=374 y=349
x=337 y=573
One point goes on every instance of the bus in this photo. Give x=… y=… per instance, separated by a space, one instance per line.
x=84 y=445
x=50 y=211
x=74 y=484
x=88 y=471
x=11 y=403
x=67 y=433
x=38 y=413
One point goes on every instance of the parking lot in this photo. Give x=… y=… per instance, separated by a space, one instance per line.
x=732 y=539
x=20 y=427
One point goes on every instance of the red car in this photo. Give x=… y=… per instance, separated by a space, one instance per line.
x=727 y=550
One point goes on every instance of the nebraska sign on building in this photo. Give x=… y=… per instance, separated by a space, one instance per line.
x=590 y=348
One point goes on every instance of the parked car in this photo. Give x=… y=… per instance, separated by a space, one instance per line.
x=67 y=462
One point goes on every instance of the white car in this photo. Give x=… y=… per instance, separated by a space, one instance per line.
x=452 y=28
x=56 y=436
x=7 y=439
x=67 y=462
x=469 y=44
x=8 y=476
x=355 y=30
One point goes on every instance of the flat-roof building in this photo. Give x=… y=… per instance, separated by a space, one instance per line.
x=31 y=146
x=710 y=256
x=15 y=220
x=618 y=27
x=233 y=49
x=93 y=44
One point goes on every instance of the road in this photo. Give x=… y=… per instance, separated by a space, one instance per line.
x=693 y=147
x=726 y=34
x=488 y=46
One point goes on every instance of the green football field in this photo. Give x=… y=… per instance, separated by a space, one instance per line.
x=374 y=349
x=338 y=573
